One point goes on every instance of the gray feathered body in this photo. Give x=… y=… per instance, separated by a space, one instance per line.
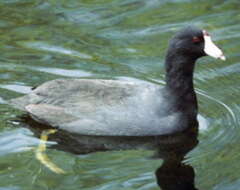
x=102 y=107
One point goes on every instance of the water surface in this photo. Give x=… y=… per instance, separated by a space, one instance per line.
x=43 y=40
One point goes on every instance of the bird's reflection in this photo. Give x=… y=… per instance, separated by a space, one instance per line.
x=173 y=174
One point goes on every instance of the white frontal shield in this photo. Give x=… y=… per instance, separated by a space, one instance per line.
x=211 y=49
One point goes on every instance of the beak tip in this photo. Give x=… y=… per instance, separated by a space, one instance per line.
x=222 y=57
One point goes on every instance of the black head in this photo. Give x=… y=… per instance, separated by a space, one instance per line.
x=185 y=48
x=189 y=42
x=192 y=42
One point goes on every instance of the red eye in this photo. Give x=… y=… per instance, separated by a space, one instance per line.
x=196 y=39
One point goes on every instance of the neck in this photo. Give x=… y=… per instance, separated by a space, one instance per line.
x=179 y=73
x=179 y=80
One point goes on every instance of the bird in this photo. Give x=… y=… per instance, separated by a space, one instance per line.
x=101 y=107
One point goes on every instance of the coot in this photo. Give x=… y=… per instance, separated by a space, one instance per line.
x=122 y=108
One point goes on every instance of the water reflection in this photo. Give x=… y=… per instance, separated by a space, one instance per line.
x=173 y=174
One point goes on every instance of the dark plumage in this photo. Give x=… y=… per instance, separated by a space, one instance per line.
x=122 y=108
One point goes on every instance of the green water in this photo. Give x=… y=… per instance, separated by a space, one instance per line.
x=41 y=40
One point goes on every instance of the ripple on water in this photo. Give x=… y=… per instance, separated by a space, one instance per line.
x=222 y=127
x=218 y=72
x=2 y=101
x=17 y=88
x=227 y=32
x=10 y=188
x=225 y=185
x=119 y=33
x=63 y=72
x=45 y=46
x=18 y=140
